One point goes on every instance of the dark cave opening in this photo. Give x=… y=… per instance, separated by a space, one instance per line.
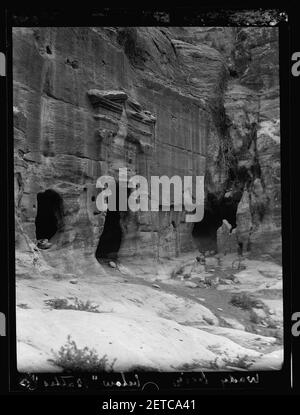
x=49 y=218
x=205 y=232
x=111 y=237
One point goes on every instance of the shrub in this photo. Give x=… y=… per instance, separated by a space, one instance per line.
x=23 y=305
x=244 y=301
x=79 y=305
x=241 y=362
x=196 y=365
x=73 y=359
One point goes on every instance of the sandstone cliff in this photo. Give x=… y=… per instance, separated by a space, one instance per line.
x=158 y=101
x=163 y=101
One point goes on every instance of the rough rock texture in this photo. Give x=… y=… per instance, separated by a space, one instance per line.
x=159 y=101
x=226 y=237
x=244 y=164
x=168 y=325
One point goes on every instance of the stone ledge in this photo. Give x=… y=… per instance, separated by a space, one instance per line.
x=97 y=96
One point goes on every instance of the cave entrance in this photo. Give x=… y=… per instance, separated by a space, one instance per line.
x=49 y=216
x=205 y=232
x=111 y=237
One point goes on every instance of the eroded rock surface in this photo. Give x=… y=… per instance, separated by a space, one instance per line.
x=162 y=325
x=158 y=101
x=163 y=101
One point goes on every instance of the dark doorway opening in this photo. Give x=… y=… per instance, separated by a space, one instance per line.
x=111 y=237
x=49 y=218
x=205 y=232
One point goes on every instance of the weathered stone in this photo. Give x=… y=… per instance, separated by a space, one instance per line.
x=226 y=282
x=252 y=106
x=212 y=262
x=190 y=284
x=158 y=101
x=244 y=221
x=198 y=268
x=226 y=238
x=213 y=282
x=44 y=244
x=233 y=323
x=96 y=96
x=258 y=315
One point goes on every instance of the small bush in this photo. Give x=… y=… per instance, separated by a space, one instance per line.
x=73 y=359
x=57 y=303
x=65 y=304
x=244 y=301
x=241 y=362
x=196 y=365
x=24 y=306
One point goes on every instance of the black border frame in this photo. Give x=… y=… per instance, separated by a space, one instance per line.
x=272 y=382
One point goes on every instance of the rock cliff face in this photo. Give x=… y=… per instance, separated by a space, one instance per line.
x=159 y=101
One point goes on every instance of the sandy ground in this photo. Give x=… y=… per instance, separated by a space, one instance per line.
x=148 y=317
